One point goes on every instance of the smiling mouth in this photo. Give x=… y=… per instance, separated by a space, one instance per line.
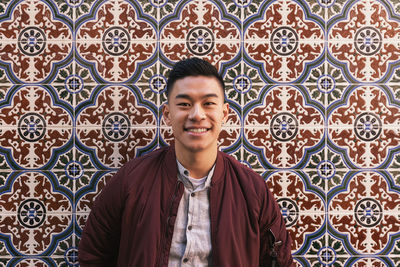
x=197 y=130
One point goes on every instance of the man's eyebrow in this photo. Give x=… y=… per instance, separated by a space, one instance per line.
x=185 y=96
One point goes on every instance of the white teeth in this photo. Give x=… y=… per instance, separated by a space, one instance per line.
x=198 y=130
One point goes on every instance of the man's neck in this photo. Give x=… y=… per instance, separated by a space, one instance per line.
x=198 y=164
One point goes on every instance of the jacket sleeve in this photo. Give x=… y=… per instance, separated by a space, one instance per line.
x=100 y=237
x=275 y=239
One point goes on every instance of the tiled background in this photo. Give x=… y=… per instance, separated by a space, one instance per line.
x=314 y=88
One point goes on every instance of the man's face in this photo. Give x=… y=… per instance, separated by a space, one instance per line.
x=196 y=111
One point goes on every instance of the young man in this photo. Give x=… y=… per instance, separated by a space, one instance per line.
x=188 y=204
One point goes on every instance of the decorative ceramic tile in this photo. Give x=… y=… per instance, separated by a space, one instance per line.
x=284 y=126
x=4 y=7
x=34 y=43
x=326 y=84
x=230 y=139
x=200 y=30
x=30 y=261
x=118 y=126
x=4 y=80
x=116 y=44
x=81 y=9
x=4 y=166
x=330 y=172
x=35 y=210
x=285 y=43
x=371 y=261
x=74 y=84
x=152 y=84
x=243 y=84
x=318 y=8
x=365 y=125
x=327 y=251
x=366 y=44
x=305 y=261
x=32 y=24
x=393 y=85
x=34 y=127
x=313 y=88
x=75 y=9
x=74 y=168
x=301 y=205
x=158 y=9
x=363 y=213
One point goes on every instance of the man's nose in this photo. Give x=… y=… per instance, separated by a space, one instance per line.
x=196 y=113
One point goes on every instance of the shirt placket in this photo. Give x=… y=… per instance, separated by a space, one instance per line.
x=188 y=257
x=193 y=197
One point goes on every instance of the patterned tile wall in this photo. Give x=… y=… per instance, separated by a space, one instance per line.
x=314 y=92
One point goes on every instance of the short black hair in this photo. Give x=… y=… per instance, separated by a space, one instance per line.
x=193 y=67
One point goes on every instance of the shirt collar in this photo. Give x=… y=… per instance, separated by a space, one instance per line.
x=183 y=176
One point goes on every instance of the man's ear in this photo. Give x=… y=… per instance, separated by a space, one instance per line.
x=166 y=114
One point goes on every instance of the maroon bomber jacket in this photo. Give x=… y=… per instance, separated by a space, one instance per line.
x=132 y=221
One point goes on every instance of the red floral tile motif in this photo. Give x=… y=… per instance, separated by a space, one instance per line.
x=34 y=213
x=32 y=261
x=228 y=137
x=367 y=126
x=284 y=126
x=303 y=210
x=367 y=211
x=116 y=42
x=33 y=42
x=372 y=261
x=116 y=127
x=33 y=127
x=201 y=31
x=284 y=41
x=230 y=132
x=366 y=42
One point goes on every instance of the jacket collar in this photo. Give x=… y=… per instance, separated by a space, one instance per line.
x=170 y=163
x=171 y=166
x=220 y=170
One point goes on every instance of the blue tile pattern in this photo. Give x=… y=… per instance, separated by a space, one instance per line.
x=314 y=91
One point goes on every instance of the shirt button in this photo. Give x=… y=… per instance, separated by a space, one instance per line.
x=185 y=260
x=189 y=227
x=192 y=194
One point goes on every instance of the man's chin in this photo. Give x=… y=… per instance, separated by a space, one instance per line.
x=196 y=148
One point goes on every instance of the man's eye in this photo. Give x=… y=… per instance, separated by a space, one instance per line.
x=183 y=104
x=209 y=103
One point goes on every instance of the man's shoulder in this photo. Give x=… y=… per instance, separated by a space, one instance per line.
x=150 y=155
x=145 y=161
x=251 y=183
x=242 y=170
